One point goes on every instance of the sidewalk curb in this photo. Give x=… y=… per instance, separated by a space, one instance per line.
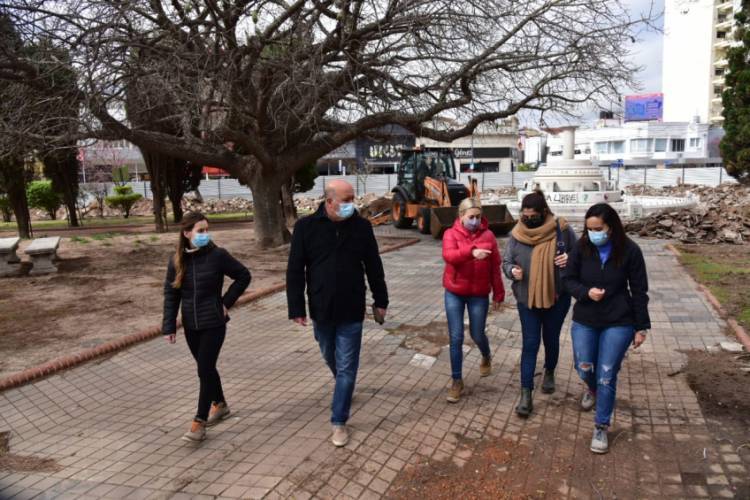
x=738 y=330
x=72 y=360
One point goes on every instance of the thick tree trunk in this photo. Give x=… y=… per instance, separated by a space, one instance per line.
x=62 y=167
x=270 y=225
x=287 y=202
x=17 y=198
x=173 y=175
x=13 y=179
x=177 y=209
x=155 y=171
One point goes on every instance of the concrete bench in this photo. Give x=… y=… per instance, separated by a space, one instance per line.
x=9 y=261
x=43 y=253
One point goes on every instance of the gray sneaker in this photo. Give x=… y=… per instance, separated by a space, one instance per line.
x=218 y=412
x=196 y=433
x=340 y=435
x=599 y=442
x=588 y=400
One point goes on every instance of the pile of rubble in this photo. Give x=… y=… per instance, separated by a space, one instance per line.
x=722 y=216
x=217 y=206
x=499 y=196
x=368 y=205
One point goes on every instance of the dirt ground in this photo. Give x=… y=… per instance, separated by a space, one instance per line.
x=108 y=285
x=725 y=270
x=722 y=383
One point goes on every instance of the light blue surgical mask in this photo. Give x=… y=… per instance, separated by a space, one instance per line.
x=472 y=224
x=345 y=210
x=598 y=238
x=200 y=240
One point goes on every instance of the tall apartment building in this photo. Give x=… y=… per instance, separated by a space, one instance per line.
x=697 y=34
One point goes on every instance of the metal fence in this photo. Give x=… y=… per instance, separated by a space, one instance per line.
x=383 y=183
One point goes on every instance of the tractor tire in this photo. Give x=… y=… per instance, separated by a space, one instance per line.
x=423 y=220
x=398 y=212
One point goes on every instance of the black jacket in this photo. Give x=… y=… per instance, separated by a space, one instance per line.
x=331 y=259
x=625 y=299
x=200 y=293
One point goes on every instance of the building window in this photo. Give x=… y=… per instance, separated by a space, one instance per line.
x=640 y=145
x=721 y=34
x=660 y=145
x=678 y=145
x=717 y=90
x=719 y=72
x=695 y=143
x=610 y=147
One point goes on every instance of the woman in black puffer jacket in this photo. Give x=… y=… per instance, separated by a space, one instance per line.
x=195 y=279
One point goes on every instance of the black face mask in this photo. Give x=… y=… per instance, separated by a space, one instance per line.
x=533 y=222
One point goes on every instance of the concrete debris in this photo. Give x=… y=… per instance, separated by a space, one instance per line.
x=731 y=346
x=722 y=215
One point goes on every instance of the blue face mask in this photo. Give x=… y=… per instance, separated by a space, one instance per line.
x=472 y=224
x=345 y=210
x=201 y=240
x=598 y=238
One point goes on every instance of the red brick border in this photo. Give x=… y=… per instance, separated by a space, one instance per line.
x=739 y=331
x=65 y=362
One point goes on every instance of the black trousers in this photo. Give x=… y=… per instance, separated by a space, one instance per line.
x=205 y=346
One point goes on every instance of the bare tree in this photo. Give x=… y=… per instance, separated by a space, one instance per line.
x=262 y=88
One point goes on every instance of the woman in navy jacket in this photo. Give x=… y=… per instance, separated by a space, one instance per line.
x=606 y=273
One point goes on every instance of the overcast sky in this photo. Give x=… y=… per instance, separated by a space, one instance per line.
x=648 y=50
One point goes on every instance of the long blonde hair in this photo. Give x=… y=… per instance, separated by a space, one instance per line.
x=468 y=204
x=189 y=220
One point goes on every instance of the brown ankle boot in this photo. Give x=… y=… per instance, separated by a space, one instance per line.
x=485 y=367
x=454 y=393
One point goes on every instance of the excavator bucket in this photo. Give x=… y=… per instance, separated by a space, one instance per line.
x=498 y=216
x=501 y=222
x=441 y=219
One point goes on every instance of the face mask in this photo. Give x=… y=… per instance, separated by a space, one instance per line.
x=201 y=240
x=346 y=210
x=533 y=222
x=472 y=224
x=598 y=238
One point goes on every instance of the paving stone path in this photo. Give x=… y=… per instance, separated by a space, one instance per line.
x=113 y=426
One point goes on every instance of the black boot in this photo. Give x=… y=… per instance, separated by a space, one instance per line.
x=525 y=406
x=548 y=383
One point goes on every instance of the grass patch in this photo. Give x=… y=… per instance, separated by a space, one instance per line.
x=79 y=239
x=135 y=220
x=725 y=272
x=103 y=236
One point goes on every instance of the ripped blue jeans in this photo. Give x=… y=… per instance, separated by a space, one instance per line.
x=598 y=354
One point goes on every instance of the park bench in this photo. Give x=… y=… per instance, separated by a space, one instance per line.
x=43 y=253
x=9 y=261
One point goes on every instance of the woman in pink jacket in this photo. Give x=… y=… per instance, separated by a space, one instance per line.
x=472 y=269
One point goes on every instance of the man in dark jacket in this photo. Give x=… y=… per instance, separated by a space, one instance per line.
x=332 y=251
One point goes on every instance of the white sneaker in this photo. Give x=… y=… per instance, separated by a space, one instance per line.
x=599 y=442
x=340 y=435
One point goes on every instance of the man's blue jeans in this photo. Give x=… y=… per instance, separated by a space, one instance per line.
x=598 y=354
x=454 y=310
x=340 y=344
x=539 y=325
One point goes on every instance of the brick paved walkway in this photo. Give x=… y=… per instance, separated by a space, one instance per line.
x=113 y=426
